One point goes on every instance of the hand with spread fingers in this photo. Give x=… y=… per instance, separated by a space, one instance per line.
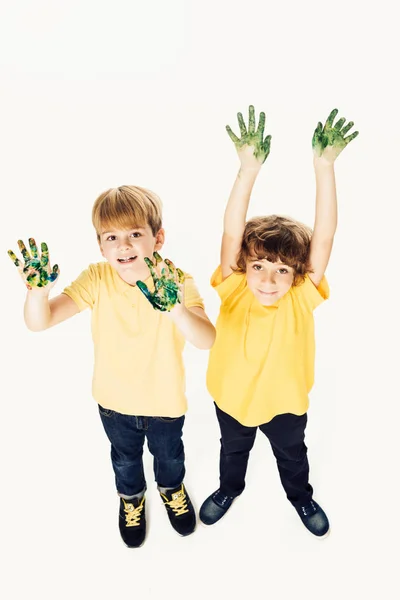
x=251 y=147
x=36 y=271
x=329 y=140
x=168 y=284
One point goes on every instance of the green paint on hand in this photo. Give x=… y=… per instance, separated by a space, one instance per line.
x=330 y=139
x=167 y=291
x=35 y=271
x=252 y=137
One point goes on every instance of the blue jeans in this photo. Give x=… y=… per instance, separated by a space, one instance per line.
x=127 y=435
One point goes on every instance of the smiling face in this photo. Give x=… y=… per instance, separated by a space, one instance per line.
x=126 y=249
x=268 y=281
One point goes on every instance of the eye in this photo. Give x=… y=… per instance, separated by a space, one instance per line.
x=136 y=234
x=283 y=271
x=111 y=238
x=257 y=267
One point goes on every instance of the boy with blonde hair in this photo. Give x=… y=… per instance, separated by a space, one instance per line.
x=270 y=280
x=139 y=380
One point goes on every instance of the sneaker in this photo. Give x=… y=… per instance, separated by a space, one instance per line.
x=132 y=521
x=314 y=519
x=180 y=510
x=215 y=507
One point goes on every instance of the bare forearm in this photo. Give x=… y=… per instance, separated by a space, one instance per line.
x=197 y=330
x=37 y=311
x=326 y=201
x=238 y=203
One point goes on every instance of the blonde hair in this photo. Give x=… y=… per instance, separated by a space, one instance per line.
x=127 y=207
x=276 y=239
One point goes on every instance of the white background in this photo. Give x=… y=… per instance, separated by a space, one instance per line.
x=99 y=94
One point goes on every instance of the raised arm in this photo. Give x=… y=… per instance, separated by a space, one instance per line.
x=252 y=150
x=328 y=142
x=39 y=312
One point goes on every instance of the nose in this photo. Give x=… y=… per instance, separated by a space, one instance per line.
x=125 y=243
x=268 y=278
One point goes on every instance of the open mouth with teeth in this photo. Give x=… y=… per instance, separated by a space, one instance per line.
x=127 y=260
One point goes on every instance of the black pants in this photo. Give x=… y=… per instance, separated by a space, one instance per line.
x=286 y=436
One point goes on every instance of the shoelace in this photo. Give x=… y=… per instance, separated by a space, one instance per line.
x=132 y=514
x=309 y=509
x=179 y=504
x=220 y=499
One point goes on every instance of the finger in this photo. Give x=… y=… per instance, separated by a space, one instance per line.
x=242 y=126
x=351 y=137
x=152 y=271
x=181 y=275
x=261 y=125
x=44 y=259
x=33 y=247
x=317 y=134
x=54 y=274
x=152 y=298
x=347 y=128
x=145 y=290
x=157 y=257
x=23 y=250
x=14 y=258
x=331 y=118
x=339 y=124
x=233 y=137
x=171 y=267
x=267 y=144
x=252 y=119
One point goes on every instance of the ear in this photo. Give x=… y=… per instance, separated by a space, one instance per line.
x=160 y=239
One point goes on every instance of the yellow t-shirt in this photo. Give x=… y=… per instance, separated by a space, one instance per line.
x=138 y=367
x=262 y=361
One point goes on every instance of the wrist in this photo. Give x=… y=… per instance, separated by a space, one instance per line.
x=246 y=171
x=322 y=164
x=177 y=313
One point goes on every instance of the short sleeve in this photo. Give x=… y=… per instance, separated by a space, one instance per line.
x=192 y=295
x=83 y=290
x=311 y=296
x=233 y=283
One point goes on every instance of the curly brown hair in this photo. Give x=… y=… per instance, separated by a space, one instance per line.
x=276 y=238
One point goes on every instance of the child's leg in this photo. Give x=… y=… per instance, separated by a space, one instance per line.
x=236 y=443
x=126 y=435
x=164 y=438
x=286 y=435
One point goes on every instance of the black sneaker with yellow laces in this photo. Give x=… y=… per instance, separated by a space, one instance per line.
x=180 y=510
x=132 y=521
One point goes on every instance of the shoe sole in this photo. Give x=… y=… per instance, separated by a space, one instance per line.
x=322 y=537
x=133 y=547
x=319 y=537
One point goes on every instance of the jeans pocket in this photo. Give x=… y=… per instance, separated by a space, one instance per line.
x=105 y=412
x=168 y=419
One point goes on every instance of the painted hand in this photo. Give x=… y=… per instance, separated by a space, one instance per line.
x=167 y=285
x=36 y=271
x=252 y=148
x=329 y=141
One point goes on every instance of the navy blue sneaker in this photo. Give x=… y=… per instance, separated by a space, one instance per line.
x=314 y=518
x=215 y=507
x=180 y=510
x=132 y=521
